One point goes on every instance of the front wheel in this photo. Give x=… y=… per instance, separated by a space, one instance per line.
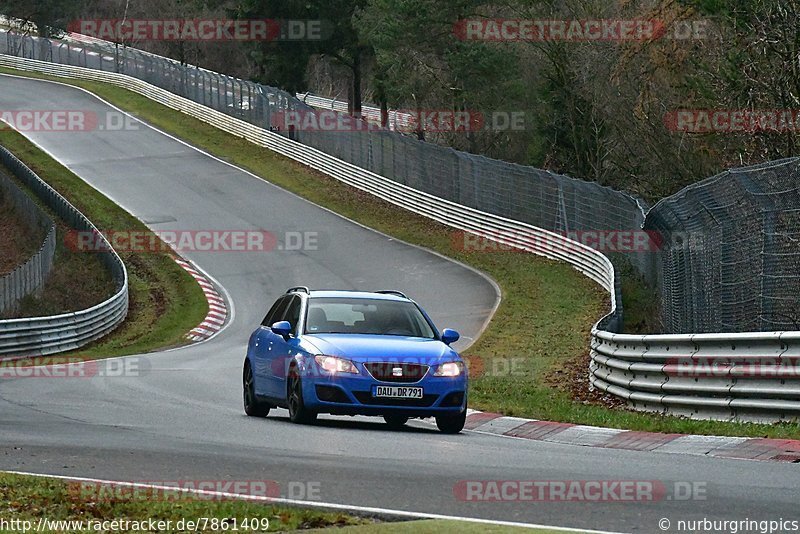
x=298 y=413
x=252 y=406
x=451 y=424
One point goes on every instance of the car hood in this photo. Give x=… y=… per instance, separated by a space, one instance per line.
x=371 y=347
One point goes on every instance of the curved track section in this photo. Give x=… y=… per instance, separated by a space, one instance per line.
x=181 y=418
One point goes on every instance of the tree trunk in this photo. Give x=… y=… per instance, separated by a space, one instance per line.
x=420 y=130
x=380 y=95
x=356 y=98
x=384 y=113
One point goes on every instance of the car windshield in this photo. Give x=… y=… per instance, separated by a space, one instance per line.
x=329 y=315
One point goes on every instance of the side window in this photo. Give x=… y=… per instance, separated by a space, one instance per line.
x=275 y=312
x=292 y=313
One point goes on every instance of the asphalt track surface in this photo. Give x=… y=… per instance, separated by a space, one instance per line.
x=181 y=418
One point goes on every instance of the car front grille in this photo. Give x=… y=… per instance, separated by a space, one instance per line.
x=400 y=373
x=365 y=397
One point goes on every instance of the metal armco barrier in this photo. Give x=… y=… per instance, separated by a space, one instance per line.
x=652 y=372
x=397 y=120
x=748 y=376
x=68 y=331
x=31 y=275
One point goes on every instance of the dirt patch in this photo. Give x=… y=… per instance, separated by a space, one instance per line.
x=573 y=378
x=77 y=280
x=18 y=242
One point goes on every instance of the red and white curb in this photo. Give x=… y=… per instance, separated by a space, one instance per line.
x=762 y=449
x=217 y=310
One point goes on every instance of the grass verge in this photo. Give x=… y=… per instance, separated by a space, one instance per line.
x=18 y=241
x=532 y=361
x=31 y=499
x=60 y=293
x=165 y=301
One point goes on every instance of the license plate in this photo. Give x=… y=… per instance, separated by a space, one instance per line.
x=397 y=392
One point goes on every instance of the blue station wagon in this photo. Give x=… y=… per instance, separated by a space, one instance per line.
x=354 y=353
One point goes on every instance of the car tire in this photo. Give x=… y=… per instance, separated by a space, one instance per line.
x=451 y=424
x=252 y=406
x=298 y=413
x=395 y=421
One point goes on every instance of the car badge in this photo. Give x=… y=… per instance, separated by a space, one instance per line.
x=397 y=371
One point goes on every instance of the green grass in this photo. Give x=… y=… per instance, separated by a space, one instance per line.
x=28 y=498
x=165 y=301
x=532 y=361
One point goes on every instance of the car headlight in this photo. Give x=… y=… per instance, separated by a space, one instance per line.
x=450 y=369
x=332 y=364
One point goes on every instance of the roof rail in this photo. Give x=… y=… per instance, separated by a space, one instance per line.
x=392 y=292
x=299 y=288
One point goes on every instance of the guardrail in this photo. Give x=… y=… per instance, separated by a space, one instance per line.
x=67 y=331
x=397 y=120
x=652 y=372
x=28 y=277
x=744 y=376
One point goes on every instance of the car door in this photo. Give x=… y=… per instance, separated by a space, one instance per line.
x=262 y=345
x=282 y=350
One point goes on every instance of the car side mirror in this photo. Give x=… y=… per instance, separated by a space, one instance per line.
x=282 y=328
x=449 y=336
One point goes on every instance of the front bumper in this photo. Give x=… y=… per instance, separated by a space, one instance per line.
x=352 y=395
